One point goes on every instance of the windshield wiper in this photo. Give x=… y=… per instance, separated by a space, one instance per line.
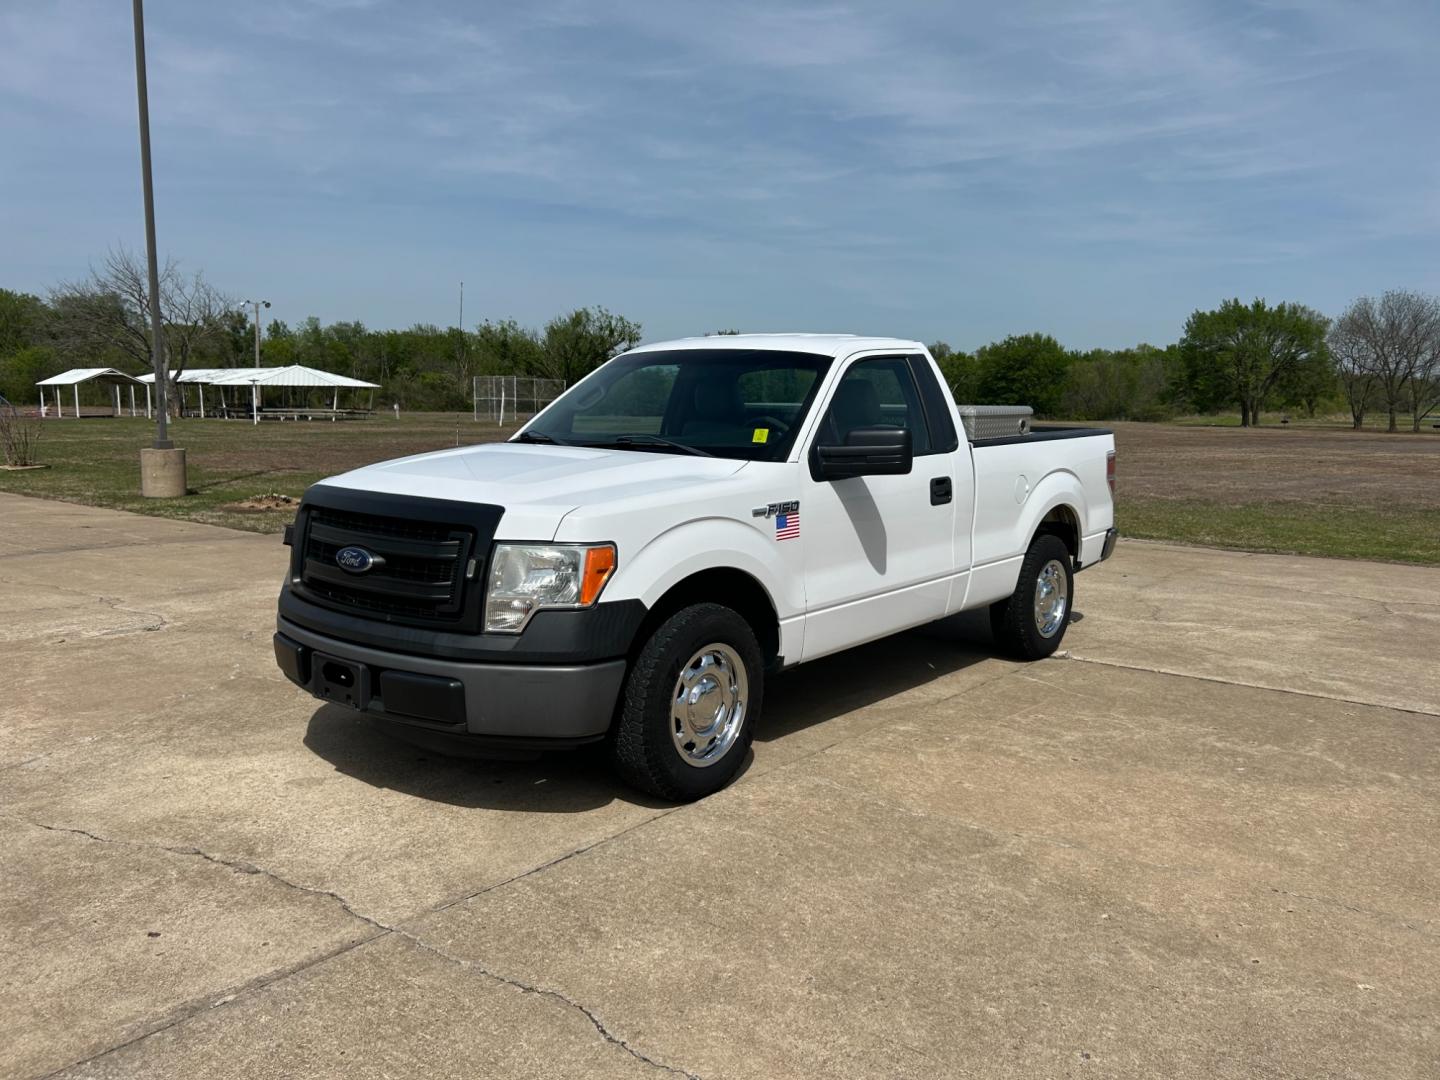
x=540 y=437
x=656 y=440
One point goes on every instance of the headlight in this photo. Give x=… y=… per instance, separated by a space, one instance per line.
x=527 y=577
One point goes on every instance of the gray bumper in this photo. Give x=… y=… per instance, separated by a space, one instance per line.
x=508 y=701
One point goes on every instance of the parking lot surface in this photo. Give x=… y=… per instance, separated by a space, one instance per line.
x=1201 y=843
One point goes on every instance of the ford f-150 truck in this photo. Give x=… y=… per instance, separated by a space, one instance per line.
x=681 y=524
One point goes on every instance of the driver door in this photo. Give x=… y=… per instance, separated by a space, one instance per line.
x=879 y=554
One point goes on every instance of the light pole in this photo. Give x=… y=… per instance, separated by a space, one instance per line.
x=162 y=466
x=256 y=305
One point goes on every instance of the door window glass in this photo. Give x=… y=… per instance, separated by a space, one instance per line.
x=876 y=393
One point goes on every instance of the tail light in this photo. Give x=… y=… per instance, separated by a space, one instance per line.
x=1110 y=472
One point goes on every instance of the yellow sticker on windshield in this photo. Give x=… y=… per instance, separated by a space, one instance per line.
x=762 y=434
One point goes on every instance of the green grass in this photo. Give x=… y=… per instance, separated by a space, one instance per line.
x=1398 y=535
x=97 y=461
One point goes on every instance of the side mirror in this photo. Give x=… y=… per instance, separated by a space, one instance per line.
x=869 y=451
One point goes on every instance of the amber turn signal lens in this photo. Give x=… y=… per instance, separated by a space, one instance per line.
x=599 y=565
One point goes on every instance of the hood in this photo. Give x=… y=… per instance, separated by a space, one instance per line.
x=537 y=485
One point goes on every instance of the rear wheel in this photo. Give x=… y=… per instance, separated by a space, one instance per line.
x=1031 y=623
x=690 y=704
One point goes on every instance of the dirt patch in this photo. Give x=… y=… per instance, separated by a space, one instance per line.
x=1319 y=467
x=261 y=503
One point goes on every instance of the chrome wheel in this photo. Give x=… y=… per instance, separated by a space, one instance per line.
x=1052 y=598
x=707 y=710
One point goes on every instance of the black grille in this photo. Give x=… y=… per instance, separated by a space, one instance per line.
x=419 y=574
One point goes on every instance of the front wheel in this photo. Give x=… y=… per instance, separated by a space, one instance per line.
x=690 y=704
x=1031 y=623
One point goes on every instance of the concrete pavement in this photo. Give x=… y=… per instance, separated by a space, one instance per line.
x=1202 y=844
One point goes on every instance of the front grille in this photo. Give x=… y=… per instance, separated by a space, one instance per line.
x=419 y=576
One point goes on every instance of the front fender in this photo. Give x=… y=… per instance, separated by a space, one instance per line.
x=711 y=543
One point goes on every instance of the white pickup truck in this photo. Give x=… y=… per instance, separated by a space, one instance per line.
x=687 y=520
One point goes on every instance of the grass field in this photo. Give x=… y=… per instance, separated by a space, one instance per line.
x=97 y=461
x=1309 y=489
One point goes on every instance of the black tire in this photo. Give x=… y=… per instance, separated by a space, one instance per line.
x=643 y=746
x=1013 y=621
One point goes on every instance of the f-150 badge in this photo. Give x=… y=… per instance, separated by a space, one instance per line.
x=777 y=508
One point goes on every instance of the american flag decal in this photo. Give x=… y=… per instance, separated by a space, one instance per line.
x=787 y=525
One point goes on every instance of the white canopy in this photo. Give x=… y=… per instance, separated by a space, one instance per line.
x=294 y=375
x=75 y=376
x=106 y=376
x=204 y=375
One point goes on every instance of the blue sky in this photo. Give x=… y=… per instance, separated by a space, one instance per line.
x=928 y=169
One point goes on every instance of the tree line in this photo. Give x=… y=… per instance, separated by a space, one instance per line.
x=1379 y=356
x=102 y=320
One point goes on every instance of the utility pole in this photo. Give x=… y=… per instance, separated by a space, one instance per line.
x=256 y=305
x=157 y=338
x=460 y=341
x=162 y=466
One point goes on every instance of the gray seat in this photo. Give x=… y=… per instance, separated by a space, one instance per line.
x=717 y=411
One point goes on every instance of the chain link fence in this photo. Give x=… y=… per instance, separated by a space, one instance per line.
x=502 y=399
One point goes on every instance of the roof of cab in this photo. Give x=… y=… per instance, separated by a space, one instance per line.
x=823 y=344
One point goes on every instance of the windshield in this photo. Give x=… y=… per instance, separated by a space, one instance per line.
x=733 y=403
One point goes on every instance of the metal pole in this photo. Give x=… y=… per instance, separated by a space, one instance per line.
x=257 y=333
x=157 y=340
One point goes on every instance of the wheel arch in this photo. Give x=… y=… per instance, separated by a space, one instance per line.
x=726 y=585
x=1063 y=521
x=1056 y=507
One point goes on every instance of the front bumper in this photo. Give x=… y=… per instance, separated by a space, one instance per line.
x=508 y=704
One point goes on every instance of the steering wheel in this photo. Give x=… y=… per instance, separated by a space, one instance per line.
x=768 y=421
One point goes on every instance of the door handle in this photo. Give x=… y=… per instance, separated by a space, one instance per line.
x=941 y=490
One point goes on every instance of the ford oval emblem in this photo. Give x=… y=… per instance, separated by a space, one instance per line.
x=356 y=560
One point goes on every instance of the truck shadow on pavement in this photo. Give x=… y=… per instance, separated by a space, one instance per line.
x=856 y=678
x=580 y=780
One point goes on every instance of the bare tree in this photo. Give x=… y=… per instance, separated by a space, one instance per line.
x=18 y=436
x=1355 y=367
x=107 y=313
x=1425 y=385
x=1389 y=344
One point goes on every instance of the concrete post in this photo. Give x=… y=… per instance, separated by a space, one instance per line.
x=162 y=473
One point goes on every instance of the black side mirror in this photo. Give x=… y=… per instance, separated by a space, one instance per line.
x=869 y=451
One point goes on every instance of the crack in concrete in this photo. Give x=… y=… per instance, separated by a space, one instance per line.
x=384 y=930
x=114 y=603
x=1373 y=913
x=555 y=995
x=238 y=865
x=109 y=547
x=1069 y=655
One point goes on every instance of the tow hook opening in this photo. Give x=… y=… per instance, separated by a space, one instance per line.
x=338 y=674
